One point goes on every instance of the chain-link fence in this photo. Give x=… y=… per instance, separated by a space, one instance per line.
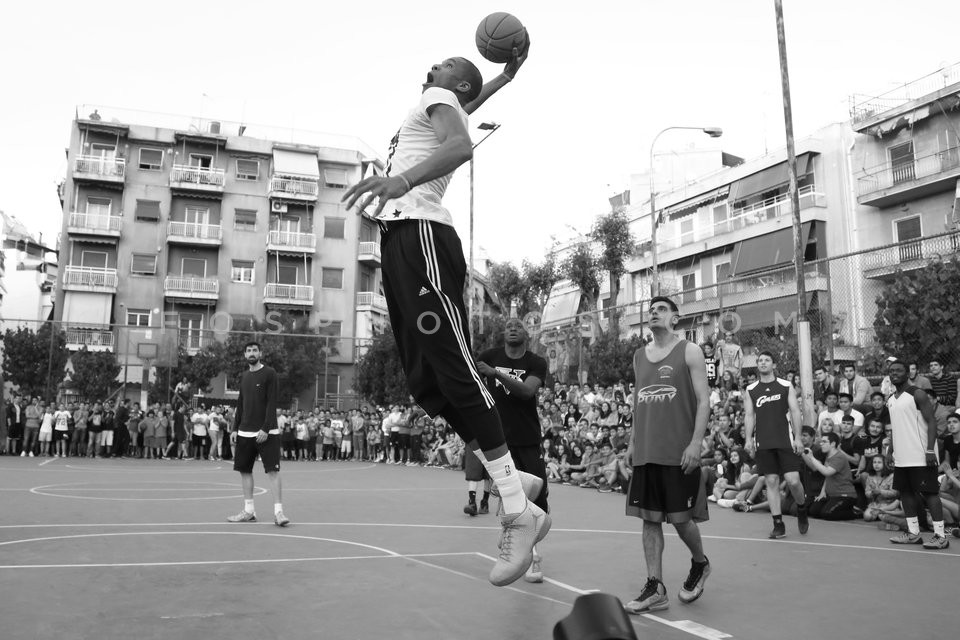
x=855 y=303
x=177 y=362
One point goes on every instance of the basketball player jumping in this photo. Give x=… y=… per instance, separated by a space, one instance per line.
x=774 y=441
x=423 y=275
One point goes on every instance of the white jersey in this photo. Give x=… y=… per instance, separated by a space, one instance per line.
x=415 y=142
x=909 y=431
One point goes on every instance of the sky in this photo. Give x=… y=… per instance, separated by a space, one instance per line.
x=601 y=80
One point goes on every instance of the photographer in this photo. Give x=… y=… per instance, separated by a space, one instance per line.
x=838 y=496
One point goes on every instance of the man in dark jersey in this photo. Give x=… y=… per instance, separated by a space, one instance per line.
x=257 y=434
x=671 y=407
x=514 y=375
x=712 y=364
x=775 y=440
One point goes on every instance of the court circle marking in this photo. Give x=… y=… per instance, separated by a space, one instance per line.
x=141 y=470
x=50 y=491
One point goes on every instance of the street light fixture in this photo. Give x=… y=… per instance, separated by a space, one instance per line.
x=713 y=132
x=490 y=128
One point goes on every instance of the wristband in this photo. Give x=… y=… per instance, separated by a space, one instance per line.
x=406 y=182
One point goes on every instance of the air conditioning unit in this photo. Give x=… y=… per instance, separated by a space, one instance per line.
x=214 y=127
x=278 y=207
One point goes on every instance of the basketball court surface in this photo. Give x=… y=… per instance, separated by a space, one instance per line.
x=141 y=549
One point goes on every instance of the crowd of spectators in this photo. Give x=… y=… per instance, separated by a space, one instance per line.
x=586 y=433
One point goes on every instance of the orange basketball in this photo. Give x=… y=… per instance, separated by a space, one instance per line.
x=497 y=36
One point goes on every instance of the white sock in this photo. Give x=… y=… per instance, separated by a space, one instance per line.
x=472 y=485
x=938 y=528
x=248 y=506
x=277 y=508
x=913 y=525
x=505 y=476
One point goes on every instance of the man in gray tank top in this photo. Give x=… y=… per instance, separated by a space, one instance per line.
x=671 y=407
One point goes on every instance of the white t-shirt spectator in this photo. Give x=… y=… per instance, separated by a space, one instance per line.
x=199 y=420
x=834 y=417
x=62 y=420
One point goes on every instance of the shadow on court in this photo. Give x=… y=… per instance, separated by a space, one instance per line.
x=123 y=548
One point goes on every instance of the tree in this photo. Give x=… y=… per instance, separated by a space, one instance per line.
x=916 y=314
x=198 y=370
x=35 y=360
x=491 y=336
x=94 y=374
x=297 y=354
x=610 y=359
x=612 y=232
x=380 y=378
x=506 y=282
x=582 y=268
x=538 y=279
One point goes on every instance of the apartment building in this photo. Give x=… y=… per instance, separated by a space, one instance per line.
x=28 y=273
x=177 y=231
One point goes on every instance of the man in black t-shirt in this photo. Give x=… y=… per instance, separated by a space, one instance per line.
x=878 y=410
x=513 y=376
x=713 y=365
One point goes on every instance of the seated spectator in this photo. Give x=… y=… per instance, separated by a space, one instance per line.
x=616 y=474
x=832 y=411
x=838 y=497
x=869 y=446
x=878 y=488
x=570 y=462
x=578 y=471
x=593 y=473
x=878 y=409
x=950 y=443
x=608 y=415
x=845 y=403
x=738 y=478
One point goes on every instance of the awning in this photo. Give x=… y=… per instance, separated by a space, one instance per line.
x=767 y=251
x=689 y=206
x=770 y=313
x=87 y=309
x=292 y=163
x=768 y=179
x=560 y=308
x=148 y=210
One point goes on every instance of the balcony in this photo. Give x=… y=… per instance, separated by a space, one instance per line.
x=99 y=169
x=890 y=184
x=288 y=295
x=194 y=233
x=292 y=188
x=94 y=224
x=291 y=242
x=191 y=289
x=370 y=301
x=369 y=254
x=885 y=262
x=90 y=279
x=197 y=179
x=91 y=339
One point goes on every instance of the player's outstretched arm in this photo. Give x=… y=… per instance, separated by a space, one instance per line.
x=697 y=365
x=509 y=72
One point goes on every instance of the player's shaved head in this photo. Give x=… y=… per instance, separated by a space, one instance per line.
x=469 y=73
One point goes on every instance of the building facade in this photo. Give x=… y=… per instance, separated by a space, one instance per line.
x=28 y=275
x=175 y=235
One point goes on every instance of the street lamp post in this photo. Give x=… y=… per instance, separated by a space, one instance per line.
x=490 y=128
x=713 y=132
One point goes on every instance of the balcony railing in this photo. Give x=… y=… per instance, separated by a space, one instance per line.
x=101 y=166
x=92 y=339
x=672 y=237
x=297 y=293
x=371 y=299
x=97 y=223
x=369 y=252
x=291 y=239
x=94 y=277
x=890 y=175
x=194 y=231
x=307 y=188
x=910 y=255
x=187 y=175
x=863 y=107
x=192 y=287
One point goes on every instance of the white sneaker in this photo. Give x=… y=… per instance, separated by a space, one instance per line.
x=31 y=454
x=23 y=454
x=521 y=531
x=534 y=572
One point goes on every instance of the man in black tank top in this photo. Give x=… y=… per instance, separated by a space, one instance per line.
x=775 y=441
x=671 y=406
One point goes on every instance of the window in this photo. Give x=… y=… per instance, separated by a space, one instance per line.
x=722 y=273
x=333 y=328
x=720 y=222
x=248 y=169
x=148 y=211
x=201 y=161
x=288 y=275
x=144 y=264
x=330 y=384
x=689 y=284
x=333 y=227
x=94 y=259
x=686 y=230
x=242 y=271
x=908 y=229
x=331 y=278
x=107 y=151
x=335 y=178
x=244 y=220
x=949 y=149
x=901 y=162
x=196 y=215
x=138 y=318
x=150 y=160
x=191 y=330
x=193 y=268
x=99 y=206
x=285 y=224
